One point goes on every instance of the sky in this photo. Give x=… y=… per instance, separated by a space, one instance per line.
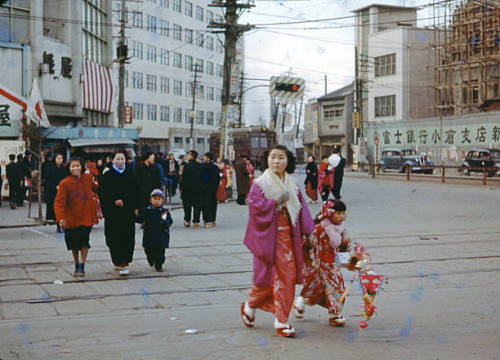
x=310 y=54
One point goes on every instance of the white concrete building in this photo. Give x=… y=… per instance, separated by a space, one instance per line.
x=166 y=40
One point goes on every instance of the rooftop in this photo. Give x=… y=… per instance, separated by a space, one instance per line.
x=395 y=7
x=343 y=91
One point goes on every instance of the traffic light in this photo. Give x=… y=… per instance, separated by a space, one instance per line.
x=287 y=87
x=48 y=58
x=66 y=67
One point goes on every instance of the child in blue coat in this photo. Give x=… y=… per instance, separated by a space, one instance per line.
x=156 y=222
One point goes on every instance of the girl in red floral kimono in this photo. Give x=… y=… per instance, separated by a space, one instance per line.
x=323 y=281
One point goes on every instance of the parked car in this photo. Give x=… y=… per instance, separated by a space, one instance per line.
x=478 y=159
x=419 y=164
x=394 y=158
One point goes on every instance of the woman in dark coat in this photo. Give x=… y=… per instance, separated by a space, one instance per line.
x=53 y=176
x=242 y=178
x=118 y=193
x=311 y=181
x=148 y=178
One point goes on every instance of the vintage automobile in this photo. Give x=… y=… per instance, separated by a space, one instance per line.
x=399 y=159
x=478 y=159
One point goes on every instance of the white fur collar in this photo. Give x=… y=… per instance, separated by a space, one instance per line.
x=272 y=185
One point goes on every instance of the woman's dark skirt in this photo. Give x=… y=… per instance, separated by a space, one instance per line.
x=120 y=239
x=77 y=238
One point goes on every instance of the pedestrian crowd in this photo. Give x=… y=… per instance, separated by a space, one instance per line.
x=289 y=247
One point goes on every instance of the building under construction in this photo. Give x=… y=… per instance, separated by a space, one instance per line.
x=467 y=56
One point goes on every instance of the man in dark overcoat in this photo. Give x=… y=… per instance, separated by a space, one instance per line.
x=192 y=188
x=211 y=179
x=242 y=178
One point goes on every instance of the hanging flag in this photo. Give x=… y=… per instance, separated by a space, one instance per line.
x=98 y=88
x=36 y=111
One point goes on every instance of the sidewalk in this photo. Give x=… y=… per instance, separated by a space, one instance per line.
x=19 y=217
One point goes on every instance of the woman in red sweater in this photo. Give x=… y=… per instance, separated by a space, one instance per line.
x=75 y=207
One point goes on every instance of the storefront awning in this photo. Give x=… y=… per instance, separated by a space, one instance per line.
x=101 y=142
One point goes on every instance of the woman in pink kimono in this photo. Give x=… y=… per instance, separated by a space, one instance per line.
x=278 y=217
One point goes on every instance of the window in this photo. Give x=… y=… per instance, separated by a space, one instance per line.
x=151 y=83
x=178 y=87
x=164 y=113
x=187 y=119
x=177 y=32
x=178 y=141
x=199 y=13
x=138 y=109
x=219 y=70
x=188 y=62
x=332 y=112
x=200 y=63
x=385 y=65
x=164 y=85
x=164 y=3
x=218 y=46
x=385 y=106
x=137 y=49
x=210 y=68
x=94 y=34
x=210 y=118
x=218 y=94
x=178 y=116
x=152 y=109
x=188 y=36
x=210 y=93
x=137 y=80
x=177 y=60
x=151 y=53
x=210 y=16
x=189 y=89
x=176 y=6
x=137 y=20
x=199 y=39
x=164 y=57
x=210 y=43
x=200 y=92
x=199 y=117
x=219 y=119
x=164 y=28
x=151 y=24
x=188 y=9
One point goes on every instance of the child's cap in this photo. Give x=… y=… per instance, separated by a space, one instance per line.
x=156 y=192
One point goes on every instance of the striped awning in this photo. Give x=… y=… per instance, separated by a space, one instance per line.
x=97 y=87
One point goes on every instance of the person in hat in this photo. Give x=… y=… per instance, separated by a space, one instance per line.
x=337 y=162
x=156 y=221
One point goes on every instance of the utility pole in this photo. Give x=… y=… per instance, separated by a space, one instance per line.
x=300 y=113
x=122 y=58
x=232 y=31
x=192 y=114
x=241 y=101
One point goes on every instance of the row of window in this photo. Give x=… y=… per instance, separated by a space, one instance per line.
x=153 y=112
x=179 y=141
x=189 y=10
x=162 y=56
x=202 y=93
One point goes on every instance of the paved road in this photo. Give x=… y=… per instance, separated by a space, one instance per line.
x=439 y=244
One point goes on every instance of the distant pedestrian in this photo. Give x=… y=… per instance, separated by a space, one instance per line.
x=337 y=162
x=75 y=206
x=221 y=189
x=148 y=178
x=119 y=195
x=192 y=187
x=156 y=221
x=278 y=218
x=325 y=178
x=54 y=175
x=242 y=178
x=211 y=179
x=172 y=173
x=24 y=173
x=311 y=181
x=14 y=177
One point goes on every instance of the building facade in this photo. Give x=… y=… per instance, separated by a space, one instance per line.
x=395 y=89
x=328 y=123
x=169 y=48
x=67 y=47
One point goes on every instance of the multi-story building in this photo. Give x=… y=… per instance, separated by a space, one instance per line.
x=328 y=123
x=67 y=47
x=169 y=47
x=400 y=82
